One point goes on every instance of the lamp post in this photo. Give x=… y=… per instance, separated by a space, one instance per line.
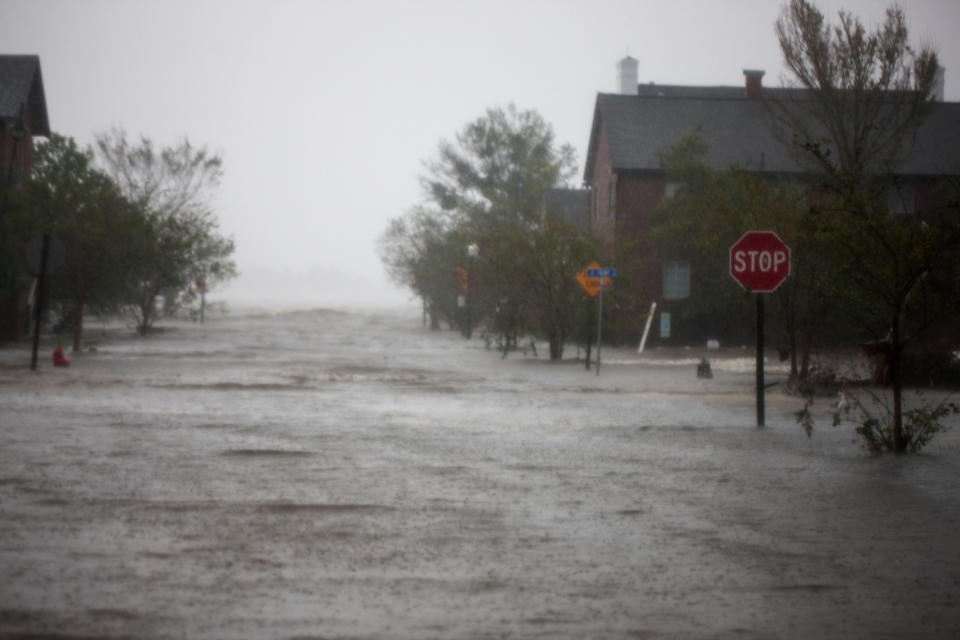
x=472 y=251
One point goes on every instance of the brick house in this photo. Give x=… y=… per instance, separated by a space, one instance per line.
x=23 y=115
x=625 y=181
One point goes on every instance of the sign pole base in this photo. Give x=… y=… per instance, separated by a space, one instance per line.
x=760 y=349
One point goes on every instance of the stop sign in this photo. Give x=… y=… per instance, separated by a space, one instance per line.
x=760 y=261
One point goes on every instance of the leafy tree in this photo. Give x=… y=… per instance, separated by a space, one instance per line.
x=486 y=188
x=709 y=212
x=498 y=169
x=172 y=187
x=865 y=93
x=422 y=251
x=97 y=226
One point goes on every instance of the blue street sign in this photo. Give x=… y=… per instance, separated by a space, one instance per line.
x=602 y=273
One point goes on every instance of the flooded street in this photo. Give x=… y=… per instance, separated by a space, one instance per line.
x=332 y=474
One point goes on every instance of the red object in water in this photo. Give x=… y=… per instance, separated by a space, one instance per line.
x=59 y=360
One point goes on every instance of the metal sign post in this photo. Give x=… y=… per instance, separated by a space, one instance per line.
x=602 y=275
x=760 y=262
x=38 y=304
x=599 y=323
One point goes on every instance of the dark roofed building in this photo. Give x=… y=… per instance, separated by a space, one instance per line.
x=23 y=113
x=630 y=129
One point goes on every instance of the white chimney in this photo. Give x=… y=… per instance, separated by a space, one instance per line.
x=628 y=74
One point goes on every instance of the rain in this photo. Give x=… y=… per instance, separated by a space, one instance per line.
x=308 y=391
x=352 y=474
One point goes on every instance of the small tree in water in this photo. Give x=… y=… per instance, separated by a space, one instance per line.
x=171 y=187
x=866 y=93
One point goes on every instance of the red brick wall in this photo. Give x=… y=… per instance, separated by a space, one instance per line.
x=601 y=220
x=636 y=195
x=23 y=162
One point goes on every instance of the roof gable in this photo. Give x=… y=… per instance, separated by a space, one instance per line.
x=21 y=83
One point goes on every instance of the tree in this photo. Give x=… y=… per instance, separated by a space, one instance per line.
x=97 y=226
x=486 y=188
x=172 y=187
x=422 y=250
x=709 y=212
x=864 y=93
x=498 y=169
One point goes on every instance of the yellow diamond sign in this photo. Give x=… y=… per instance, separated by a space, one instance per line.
x=591 y=284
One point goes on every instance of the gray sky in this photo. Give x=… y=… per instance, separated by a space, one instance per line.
x=324 y=111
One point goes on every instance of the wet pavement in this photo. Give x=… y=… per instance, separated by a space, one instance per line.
x=334 y=474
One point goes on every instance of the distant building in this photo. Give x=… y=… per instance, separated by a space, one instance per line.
x=23 y=115
x=629 y=129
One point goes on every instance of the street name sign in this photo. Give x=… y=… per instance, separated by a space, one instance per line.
x=593 y=283
x=602 y=273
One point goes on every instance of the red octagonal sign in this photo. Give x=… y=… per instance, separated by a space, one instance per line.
x=760 y=261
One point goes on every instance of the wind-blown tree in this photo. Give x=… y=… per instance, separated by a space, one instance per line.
x=421 y=251
x=866 y=92
x=492 y=180
x=708 y=213
x=98 y=227
x=486 y=188
x=172 y=187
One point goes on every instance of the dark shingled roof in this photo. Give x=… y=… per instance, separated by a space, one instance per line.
x=737 y=131
x=22 y=84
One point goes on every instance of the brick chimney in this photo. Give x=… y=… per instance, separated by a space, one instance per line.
x=754 y=82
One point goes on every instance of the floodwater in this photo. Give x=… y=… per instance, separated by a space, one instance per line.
x=337 y=474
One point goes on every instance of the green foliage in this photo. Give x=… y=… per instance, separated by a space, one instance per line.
x=866 y=93
x=98 y=228
x=868 y=89
x=171 y=188
x=875 y=425
x=498 y=169
x=487 y=189
x=708 y=213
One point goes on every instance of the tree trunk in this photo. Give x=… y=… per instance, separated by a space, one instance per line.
x=146 y=310
x=805 y=348
x=899 y=442
x=556 y=345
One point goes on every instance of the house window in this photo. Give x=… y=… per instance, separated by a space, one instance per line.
x=902 y=198
x=676 y=280
x=670 y=189
x=613 y=199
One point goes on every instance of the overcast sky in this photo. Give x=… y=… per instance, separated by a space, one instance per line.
x=324 y=111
